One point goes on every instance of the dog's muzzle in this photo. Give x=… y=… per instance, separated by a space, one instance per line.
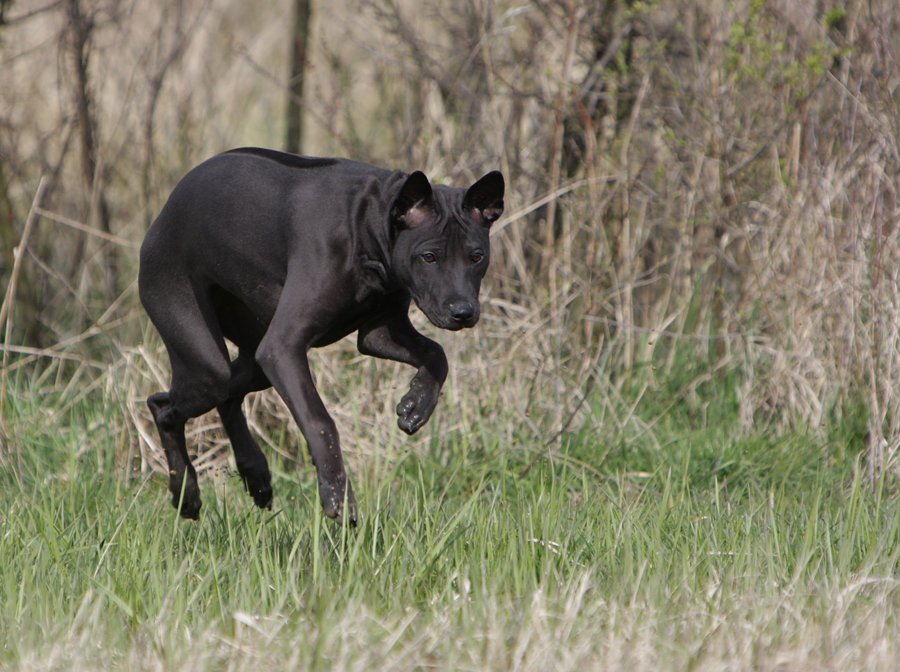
x=463 y=314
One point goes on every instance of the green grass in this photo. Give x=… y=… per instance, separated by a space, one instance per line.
x=713 y=552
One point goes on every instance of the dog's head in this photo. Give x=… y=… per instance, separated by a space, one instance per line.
x=441 y=245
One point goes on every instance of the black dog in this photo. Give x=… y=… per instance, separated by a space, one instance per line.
x=280 y=253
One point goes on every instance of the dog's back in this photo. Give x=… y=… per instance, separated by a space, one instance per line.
x=238 y=219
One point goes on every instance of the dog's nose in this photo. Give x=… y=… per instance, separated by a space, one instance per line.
x=461 y=311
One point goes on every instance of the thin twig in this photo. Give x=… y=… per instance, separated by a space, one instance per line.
x=87 y=229
x=673 y=334
x=56 y=350
x=6 y=309
x=561 y=191
x=31 y=13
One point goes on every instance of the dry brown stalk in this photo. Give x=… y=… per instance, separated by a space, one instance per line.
x=62 y=219
x=6 y=309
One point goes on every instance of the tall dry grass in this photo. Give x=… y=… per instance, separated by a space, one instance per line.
x=695 y=189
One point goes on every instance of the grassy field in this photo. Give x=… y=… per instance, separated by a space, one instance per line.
x=707 y=552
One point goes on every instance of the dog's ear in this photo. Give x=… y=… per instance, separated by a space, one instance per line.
x=486 y=197
x=415 y=202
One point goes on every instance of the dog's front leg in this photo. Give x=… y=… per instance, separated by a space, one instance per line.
x=395 y=338
x=282 y=355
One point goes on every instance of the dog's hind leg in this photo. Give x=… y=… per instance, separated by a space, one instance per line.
x=200 y=381
x=246 y=377
x=182 y=475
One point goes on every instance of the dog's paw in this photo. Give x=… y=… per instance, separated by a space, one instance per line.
x=416 y=406
x=332 y=496
x=260 y=491
x=190 y=499
x=258 y=483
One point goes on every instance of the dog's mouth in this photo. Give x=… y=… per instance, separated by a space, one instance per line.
x=458 y=326
x=453 y=317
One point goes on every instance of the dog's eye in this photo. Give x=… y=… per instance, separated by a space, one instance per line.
x=429 y=257
x=476 y=257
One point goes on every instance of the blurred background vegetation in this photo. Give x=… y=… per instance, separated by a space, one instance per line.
x=702 y=210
